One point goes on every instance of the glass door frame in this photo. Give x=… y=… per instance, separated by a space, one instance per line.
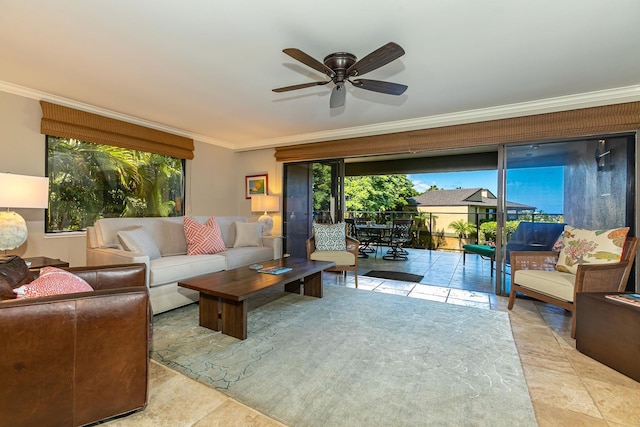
x=631 y=190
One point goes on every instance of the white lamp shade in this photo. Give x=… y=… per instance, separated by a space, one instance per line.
x=23 y=191
x=265 y=203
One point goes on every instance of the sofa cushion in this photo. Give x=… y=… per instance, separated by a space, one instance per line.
x=168 y=232
x=203 y=238
x=139 y=241
x=581 y=246
x=53 y=281
x=238 y=257
x=248 y=234
x=553 y=283
x=227 y=226
x=171 y=269
x=171 y=239
x=330 y=237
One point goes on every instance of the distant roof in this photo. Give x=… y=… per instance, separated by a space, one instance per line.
x=464 y=197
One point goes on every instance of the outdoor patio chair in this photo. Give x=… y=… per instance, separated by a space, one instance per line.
x=361 y=235
x=536 y=274
x=400 y=235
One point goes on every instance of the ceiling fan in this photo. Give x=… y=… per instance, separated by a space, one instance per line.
x=343 y=66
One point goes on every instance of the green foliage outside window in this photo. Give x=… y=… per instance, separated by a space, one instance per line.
x=321 y=187
x=378 y=192
x=91 y=181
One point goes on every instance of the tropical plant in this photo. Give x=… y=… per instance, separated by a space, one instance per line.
x=90 y=181
x=462 y=229
x=489 y=229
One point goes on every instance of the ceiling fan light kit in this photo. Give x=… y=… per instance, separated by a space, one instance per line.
x=342 y=66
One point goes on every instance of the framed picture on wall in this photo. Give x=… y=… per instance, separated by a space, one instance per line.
x=256 y=185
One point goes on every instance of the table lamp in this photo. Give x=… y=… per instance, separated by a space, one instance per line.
x=265 y=204
x=19 y=191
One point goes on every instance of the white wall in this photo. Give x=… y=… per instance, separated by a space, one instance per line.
x=260 y=162
x=215 y=178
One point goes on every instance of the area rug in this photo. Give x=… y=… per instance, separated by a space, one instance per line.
x=358 y=358
x=394 y=275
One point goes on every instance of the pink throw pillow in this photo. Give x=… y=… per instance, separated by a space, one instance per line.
x=203 y=238
x=53 y=281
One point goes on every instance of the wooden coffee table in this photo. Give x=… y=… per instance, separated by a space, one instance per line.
x=223 y=295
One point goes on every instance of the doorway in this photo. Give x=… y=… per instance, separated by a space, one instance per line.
x=312 y=192
x=562 y=176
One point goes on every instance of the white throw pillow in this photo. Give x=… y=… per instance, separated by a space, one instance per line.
x=139 y=241
x=330 y=237
x=248 y=234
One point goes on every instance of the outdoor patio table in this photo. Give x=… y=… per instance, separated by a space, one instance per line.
x=376 y=232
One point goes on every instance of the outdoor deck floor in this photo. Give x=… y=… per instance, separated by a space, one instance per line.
x=445 y=277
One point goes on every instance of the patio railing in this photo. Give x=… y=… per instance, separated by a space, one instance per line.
x=428 y=233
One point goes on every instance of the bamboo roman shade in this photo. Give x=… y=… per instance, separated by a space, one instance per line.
x=67 y=122
x=565 y=124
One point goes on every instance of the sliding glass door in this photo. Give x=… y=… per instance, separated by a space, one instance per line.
x=586 y=183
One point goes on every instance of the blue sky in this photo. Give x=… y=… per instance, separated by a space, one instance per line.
x=539 y=187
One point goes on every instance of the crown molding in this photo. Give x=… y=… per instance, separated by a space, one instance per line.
x=541 y=106
x=44 y=96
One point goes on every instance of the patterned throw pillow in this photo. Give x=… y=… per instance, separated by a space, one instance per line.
x=203 y=238
x=330 y=237
x=53 y=281
x=581 y=246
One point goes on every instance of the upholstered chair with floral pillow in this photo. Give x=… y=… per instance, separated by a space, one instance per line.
x=589 y=261
x=331 y=243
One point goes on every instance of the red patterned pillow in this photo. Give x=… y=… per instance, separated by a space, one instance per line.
x=203 y=238
x=53 y=281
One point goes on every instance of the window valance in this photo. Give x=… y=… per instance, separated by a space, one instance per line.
x=67 y=122
x=559 y=125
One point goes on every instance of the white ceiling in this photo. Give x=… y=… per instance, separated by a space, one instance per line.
x=205 y=68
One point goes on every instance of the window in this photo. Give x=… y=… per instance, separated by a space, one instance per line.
x=91 y=181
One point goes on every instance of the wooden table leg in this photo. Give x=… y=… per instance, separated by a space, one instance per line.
x=313 y=285
x=209 y=312
x=234 y=318
x=293 y=287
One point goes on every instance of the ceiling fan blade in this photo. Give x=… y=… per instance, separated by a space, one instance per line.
x=338 y=95
x=309 y=61
x=300 y=86
x=376 y=59
x=379 y=86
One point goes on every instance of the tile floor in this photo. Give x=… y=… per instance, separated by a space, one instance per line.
x=567 y=388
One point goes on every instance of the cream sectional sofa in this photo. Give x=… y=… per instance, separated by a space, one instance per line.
x=166 y=254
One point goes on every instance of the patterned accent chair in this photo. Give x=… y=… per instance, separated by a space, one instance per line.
x=583 y=265
x=331 y=243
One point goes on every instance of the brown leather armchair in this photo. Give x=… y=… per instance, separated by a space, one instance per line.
x=70 y=360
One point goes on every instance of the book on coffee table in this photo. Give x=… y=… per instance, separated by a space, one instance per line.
x=275 y=270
